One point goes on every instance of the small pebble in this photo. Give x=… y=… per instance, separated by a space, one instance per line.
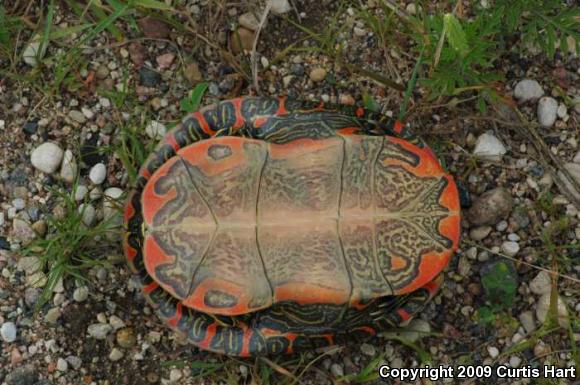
x=98 y=173
x=155 y=130
x=75 y=362
x=543 y=307
x=368 y=350
x=47 y=157
x=115 y=355
x=30 y=127
x=89 y=214
x=527 y=320
x=489 y=147
x=52 y=315
x=490 y=207
x=99 y=331
x=541 y=284
x=149 y=77
x=318 y=74
x=528 y=89
x=547 y=111
x=493 y=351
x=77 y=116
x=8 y=331
x=175 y=375
x=336 y=370
x=116 y=322
x=61 y=365
x=245 y=37
x=18 y=203
x=81 y=192
x=479 y=233
x=249 y=20
x=126 y=338
x=502 y=226
x=515 y=361
x=68 y=168
x=279 y=7
x=562 y=111
x=510 y=248
x=81 y=294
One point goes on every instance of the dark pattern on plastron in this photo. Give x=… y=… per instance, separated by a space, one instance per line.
x=396 y=188
x=246 y=267
x=359 y=253
x=397 y=238
x=234 y=188
x=174 y=238
x=357 y=172
x=286 y=258
x=288 y=187
x=219 y=151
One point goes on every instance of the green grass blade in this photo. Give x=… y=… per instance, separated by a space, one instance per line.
x=46 y=34
x=151 y=4
x=410 y=86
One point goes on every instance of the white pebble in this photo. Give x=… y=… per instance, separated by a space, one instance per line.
x=155 y=130
x=61 y=365
x=81 y=294
x=81 y=192
x=33 y=51
x=510 y=248
x=249 y=20
x=99 y=331
x=541 y=284
x=115 y=354
x=88 y=113
x=280 y=7
x=88 y=213
x=489 y=147
x=8 y=331
x=501 y=226
x=68 y=168
x=175 y=375
x=18 y=203
x=515 y=361
x=547 y=111
x=116 y=322
x=104 y=102
x=527 y=321
x=493 y=351
x=543 y=307
x=111 y=202
x=562 y=111
x=98 y=173
x=528 y=89
x=47 y=157
x=337 y=370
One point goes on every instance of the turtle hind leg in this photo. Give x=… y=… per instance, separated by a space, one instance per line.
x=390 y=312
x=405 y=307
x=234 y=336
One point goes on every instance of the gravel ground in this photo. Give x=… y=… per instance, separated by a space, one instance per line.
x=101 y=331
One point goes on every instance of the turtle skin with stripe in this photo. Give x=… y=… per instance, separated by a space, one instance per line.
x=261 y=226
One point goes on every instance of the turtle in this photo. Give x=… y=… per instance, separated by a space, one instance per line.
x=262 y=226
